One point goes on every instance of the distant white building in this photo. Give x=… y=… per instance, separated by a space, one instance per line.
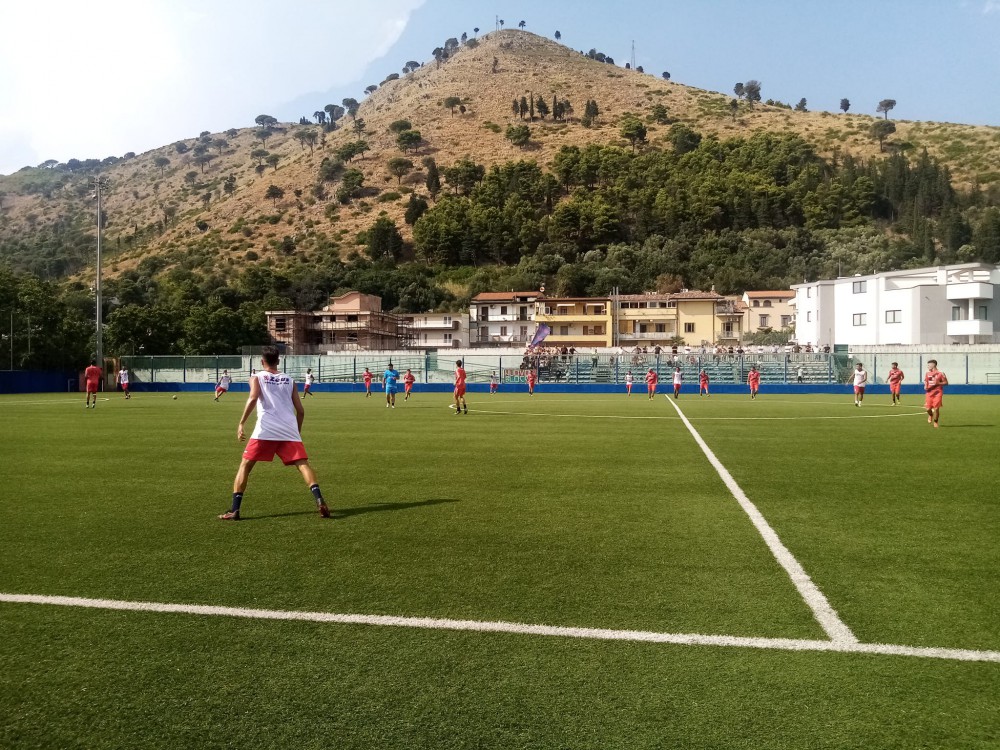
x=502 y=318
x=438 y=330
x=954 y=304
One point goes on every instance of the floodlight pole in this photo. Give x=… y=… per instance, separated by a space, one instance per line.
x=99 y=185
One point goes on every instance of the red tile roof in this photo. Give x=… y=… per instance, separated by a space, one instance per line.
x=502 y=296
x=784 y=294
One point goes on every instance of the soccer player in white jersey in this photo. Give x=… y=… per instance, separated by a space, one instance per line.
x=279 y=424
x=123 y=381
x=310 y=379
x=223 y=385
x=860 y=375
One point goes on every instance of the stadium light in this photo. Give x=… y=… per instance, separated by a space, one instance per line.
x=100 y=184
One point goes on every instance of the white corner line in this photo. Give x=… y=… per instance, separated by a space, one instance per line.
x=433 y=623
x=824 y=613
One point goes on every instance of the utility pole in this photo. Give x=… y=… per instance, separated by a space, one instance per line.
x=100 y=184
x=633 y=54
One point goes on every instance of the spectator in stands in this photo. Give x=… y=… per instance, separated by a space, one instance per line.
x=800 y=375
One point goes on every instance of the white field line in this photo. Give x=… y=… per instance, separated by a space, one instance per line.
x=478 y=626
x=825 y=614
x=60 y=402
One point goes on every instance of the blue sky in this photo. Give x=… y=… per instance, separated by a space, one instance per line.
x=172 y=68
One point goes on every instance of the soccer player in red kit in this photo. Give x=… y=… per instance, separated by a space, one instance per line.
x=531 y=382
x=894 y=379
x=678 y=381
x=651 y=380
x=460 y=388
x=753 y=380
x=93 y=377
x=367 y=377
x=408 y=384
x=703 y=383
x=934 y=383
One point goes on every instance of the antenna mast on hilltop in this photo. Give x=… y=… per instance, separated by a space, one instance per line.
x=633 y=54
x=496 y=23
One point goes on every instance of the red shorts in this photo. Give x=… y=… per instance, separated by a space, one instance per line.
x=220 y=390
x=289 y=451
x=651 y=387
x=459 y=391
x=407 y=387
x=859 y=389
x=894 y=388
x=306 y=387
x=933 y=399
x=91 y=387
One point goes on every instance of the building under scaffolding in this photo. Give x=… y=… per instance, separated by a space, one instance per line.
x=352 y=321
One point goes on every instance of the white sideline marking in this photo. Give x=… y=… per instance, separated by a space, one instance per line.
x=46 y=403
x=694 y=419
x=478 y=626
x=825 y=614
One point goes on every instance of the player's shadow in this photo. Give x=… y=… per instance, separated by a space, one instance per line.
x=342 y=513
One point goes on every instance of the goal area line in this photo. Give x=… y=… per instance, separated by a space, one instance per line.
x=478 y=626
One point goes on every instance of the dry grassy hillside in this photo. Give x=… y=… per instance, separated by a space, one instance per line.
x=182 y=212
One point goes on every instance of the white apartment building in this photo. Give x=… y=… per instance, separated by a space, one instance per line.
x=502 y=318
x=954 y=304
x=437 y=330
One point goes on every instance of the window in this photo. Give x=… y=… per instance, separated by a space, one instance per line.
x=672 y=303
x=523 y=313
x=564 y=330
x=598 y=330
x=689 y=328
x=859 y=287
x=957 y=313
x=425 y=338
x=786 y=321
x=809 y=292
x=447 y=338
x=727 y=329
x=893 y=316
x=765 y=321
x=503 y=330
x=860 y=319
x=524 y=332
x=661 y=327
x=447 y=320
x=279 y=324
x=756 y=303
x=809 y=316
x=484 y=313
x=981 y=313
x=352 y=318
x=503 y=309
x=767 y=303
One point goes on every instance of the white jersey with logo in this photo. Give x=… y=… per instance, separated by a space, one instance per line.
x=678 y=377
x=275 y=411
x=628 y=378
x=224 y=382
x=310 y=378
x=123 y=377
x=860 y=378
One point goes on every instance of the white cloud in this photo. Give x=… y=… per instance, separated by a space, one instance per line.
x=991 y=6
x=110 y=76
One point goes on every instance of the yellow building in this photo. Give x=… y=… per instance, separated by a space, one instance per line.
x=645 y=319
x=694 y=316
x=575 y=321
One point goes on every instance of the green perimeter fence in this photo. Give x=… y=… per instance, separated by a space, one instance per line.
x=811 y=368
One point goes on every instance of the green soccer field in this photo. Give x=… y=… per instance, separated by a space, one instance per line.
x=672 y=617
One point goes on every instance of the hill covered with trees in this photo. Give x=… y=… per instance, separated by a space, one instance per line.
x=507 y=161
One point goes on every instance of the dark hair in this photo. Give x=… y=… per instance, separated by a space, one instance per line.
x=932 y=362
x=270 y=355
x=458 y=362
x=895 y=364
x=93 y=362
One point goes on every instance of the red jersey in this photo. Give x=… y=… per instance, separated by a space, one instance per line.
x=703 y=378
x=531 y=377
x=408 y=378
x=459 y=377
x=935 y=381
x=651 y=378
x=368 y=378
x=895 y=376
x=92 y=374
x=753 y=378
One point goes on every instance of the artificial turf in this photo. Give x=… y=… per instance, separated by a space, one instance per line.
x=590 y=511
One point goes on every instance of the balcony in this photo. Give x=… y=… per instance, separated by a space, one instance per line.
x=970 y=327
x=647 y=336
x=728 y=311
x=971 y=290
x=434 y=325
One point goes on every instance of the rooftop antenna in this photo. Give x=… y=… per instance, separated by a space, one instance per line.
x=633 y=54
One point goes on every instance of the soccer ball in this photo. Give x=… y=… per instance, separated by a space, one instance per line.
x=174 y=398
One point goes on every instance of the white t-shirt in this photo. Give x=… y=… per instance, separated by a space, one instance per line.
x=123 y=377
x=275 y=412
x=310 y=378
x=224 y=382
x=860 y=378
x=628 y=378
x=678 y=378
